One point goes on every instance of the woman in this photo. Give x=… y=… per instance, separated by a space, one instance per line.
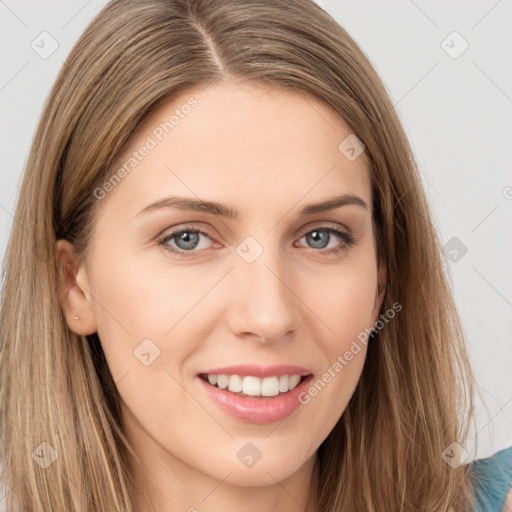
x=223 y=289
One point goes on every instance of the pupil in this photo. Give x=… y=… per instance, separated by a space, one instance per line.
x=188 y=238
x=319 y=238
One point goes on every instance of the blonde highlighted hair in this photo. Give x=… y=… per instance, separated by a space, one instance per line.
x=415 y=394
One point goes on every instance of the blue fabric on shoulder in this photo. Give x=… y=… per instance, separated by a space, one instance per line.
x=493 y=477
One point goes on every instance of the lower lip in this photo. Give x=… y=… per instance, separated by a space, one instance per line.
x=257 y=410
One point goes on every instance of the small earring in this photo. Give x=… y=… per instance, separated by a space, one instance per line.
x=77 y=318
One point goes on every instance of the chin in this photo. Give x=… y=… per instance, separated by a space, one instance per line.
x=260 y=475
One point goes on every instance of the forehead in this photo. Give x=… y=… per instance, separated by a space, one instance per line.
x=254 y=144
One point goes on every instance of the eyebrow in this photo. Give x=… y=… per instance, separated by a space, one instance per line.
x=214 y=208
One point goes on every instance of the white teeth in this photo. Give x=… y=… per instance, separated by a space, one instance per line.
x=283 y=383
x=270 y=386
x=294 y=381
x=251 y=386
x=222 y=381
x=255 y=386
x=235 y=384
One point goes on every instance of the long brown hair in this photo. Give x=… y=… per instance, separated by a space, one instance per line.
x=414 y=397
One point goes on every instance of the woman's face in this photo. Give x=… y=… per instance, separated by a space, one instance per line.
x=242 y=271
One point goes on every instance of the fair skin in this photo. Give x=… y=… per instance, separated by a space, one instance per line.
x=268 y=153
x=507 y=507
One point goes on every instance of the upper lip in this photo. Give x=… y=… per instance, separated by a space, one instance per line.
x=259 y=371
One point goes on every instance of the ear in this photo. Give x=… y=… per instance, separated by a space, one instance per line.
x=379 y=292
x=74 y=289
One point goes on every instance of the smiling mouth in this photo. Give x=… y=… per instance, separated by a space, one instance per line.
x=254 y=387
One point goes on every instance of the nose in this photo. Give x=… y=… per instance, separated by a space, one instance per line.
x=263 y=304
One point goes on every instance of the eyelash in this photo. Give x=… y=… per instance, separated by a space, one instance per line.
x=348 y=240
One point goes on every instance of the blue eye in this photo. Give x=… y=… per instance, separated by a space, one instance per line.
x=321 y=236
x=186 y=240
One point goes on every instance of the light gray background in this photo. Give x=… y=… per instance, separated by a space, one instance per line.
x=456 y=111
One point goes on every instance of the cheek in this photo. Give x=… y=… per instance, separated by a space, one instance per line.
x=129 y=308
x=135 y=302
x=346 y=307
x=144 y=315
x=346 y=301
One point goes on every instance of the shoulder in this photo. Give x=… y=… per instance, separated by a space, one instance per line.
x=493 y=480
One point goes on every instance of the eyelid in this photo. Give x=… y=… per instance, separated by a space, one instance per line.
x=207 y=231
x=191 y=226
x=345 y=236
x=324 y=225
x=339 y=231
